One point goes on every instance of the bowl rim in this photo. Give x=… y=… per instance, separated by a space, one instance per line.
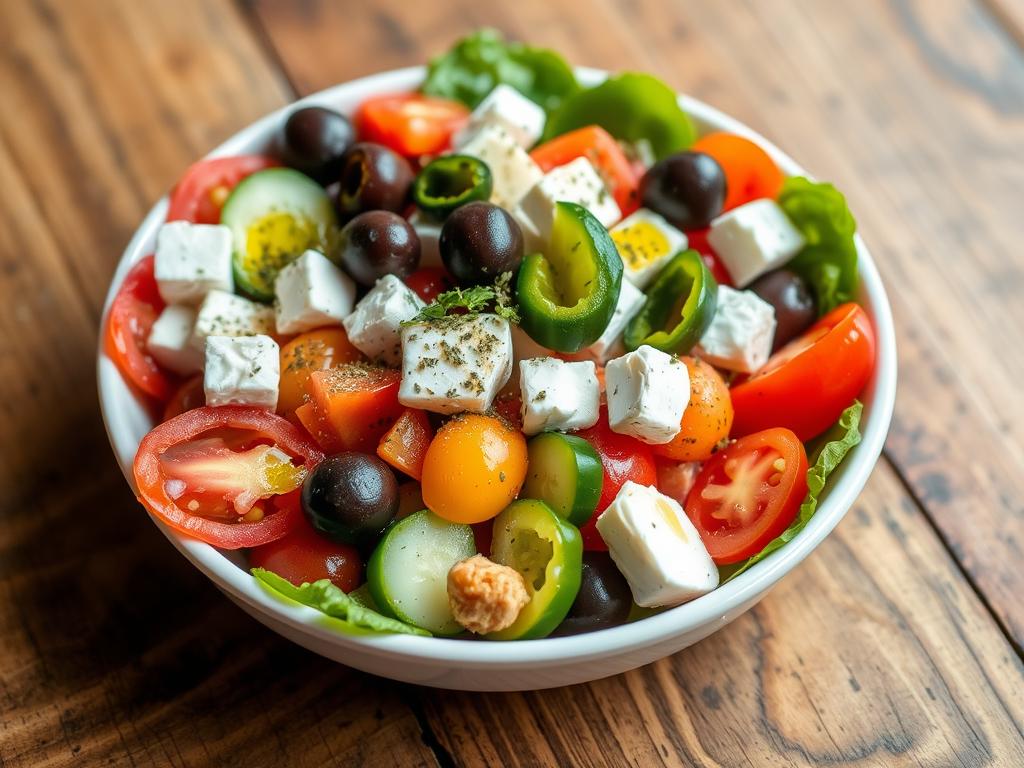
x=718 y=606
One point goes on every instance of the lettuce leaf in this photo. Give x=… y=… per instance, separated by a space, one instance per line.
x=482 y=60
x=328 y=599
x=829 y=260
x=834 y=446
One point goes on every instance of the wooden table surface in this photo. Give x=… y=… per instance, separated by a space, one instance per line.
x=899 y=642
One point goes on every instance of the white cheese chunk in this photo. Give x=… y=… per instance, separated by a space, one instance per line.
x=458 y=363
x=192 y=260
x=646 y=241
x=311 y=292
x=575 y=182
x=508 y=108
x=375 y=327
x=609 y=343
x=656 y=547
x=753 y=239
x=558 y=395
x=648 y=391
x=224 y=314
x=242 y=370
x=429 y=233
x=170 y=337
x=523 y=348
x=741 y=332
x=514 y=172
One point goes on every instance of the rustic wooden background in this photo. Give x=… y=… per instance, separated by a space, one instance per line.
x=897 y=643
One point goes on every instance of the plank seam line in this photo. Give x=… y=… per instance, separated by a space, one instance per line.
x=442 y=756
x=1005 y=20
x=944 y=541
x=265 y=43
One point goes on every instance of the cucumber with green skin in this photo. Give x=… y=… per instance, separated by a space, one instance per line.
x=408 y=571
x=268 y=199
x=564 y=471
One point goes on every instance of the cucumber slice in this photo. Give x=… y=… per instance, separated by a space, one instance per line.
x=408 y=571
x=565 y=472
x=530 y=537
x=274 y=216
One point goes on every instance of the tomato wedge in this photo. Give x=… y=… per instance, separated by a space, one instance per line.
x=430 y=282
x=806 y=385
x=698 y=240
x=750 y=173
x=193 y=456
x=404 y=446
x=748 y=494
x=186 y=397
x=603 y=151
x=410 y=123
x=304 y=556
x=201 y=192
x=135 y=308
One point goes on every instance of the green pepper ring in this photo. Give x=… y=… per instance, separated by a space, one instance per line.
x=451 y=181
x=685 y=275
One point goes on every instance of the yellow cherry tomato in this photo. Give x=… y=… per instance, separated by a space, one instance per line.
x=473 y=469
x=312 y=351
x=706 y=420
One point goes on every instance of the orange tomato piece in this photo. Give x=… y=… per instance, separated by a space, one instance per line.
x=405 y=445
x=312 y=351
x=354 y=404
x=707 y=418
x=473 y=469
x=750 y=173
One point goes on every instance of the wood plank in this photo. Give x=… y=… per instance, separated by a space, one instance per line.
x=910 y=109
x=115 y=649
x=873 y=653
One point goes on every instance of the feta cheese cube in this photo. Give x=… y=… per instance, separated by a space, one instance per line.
x=508 y=108
x=242 y=370
x=513 y=170
x=375 y=327
x=523 y=348
x=741 y=332
x=574 y=182
x=170 y=339
x=312 y=292
x=609 y=344
x=429 y=233
x=753 y=239
x=656 y=547
x=192 y=260
x=645 y=242
x=648 y=391
x=225 y=314
x=458 y=363
x=557 y=395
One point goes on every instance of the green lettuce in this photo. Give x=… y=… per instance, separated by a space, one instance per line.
x=482 y=60
x=829 y=260
x=631 y=107
x=328 y=599
x=834 y=446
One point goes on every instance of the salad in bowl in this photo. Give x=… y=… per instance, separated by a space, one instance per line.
x=500 y=354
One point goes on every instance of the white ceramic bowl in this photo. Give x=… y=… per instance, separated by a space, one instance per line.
x=486 y=666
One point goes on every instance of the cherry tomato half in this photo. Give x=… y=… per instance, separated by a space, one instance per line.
x=748 y=494
x=430 y=282
x=186 y=397
x=312 y=351
x=750 y=173
x=410 y=123
x=304 y=556
x=707 y=418
x=202 y=191
x=806 y=385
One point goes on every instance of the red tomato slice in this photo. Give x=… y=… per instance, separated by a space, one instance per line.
x=191 y=458
x=806 y=385
x=188 y=396
x=304 y=556
x=750 y=173
x=410 y=123
x=622 y=459
x=698 y=240
x=202 y=191
x=603 y=151
x=748 y=494
x=132 y=313
x=404 y=446
x=429 y=282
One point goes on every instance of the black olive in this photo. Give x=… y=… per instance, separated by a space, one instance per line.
x=378 y=243
x=604 y=599
x=351 y=498
x=479 y=241
x=687 y=188
x=795 y=308
x=373 y=178
x=314 y=140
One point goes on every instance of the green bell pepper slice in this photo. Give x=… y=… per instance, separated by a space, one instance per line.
x=548 y=552
x=449 y=182
x=680 y=305
x=631 y=107
x=568 y=295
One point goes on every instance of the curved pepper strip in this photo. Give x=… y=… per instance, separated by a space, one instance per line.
x=450 y=182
